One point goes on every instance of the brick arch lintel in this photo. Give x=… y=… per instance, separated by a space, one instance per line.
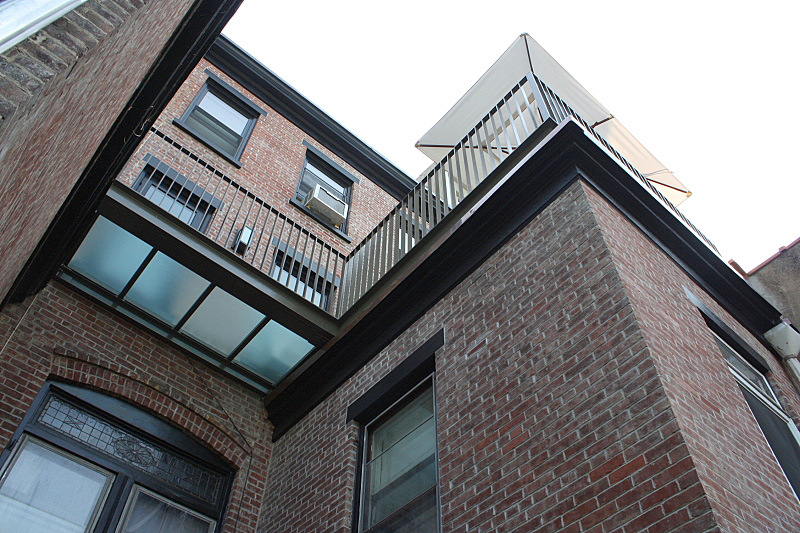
x=74 y=367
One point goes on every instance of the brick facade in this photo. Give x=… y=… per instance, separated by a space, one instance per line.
x=60 y=91
x=61 y=335
x=271 y=164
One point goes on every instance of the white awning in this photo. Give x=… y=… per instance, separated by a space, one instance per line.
x=526 y=55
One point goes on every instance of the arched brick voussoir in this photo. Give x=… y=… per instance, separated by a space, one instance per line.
x=78 y=368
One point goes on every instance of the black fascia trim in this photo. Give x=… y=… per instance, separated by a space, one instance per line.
x=330 y=277
x=330 y=162
x=180 y=179
x=194 y=35
x=284 y=99
x=339 y=233
x=568 y=155
x=477 y=238
x=242 y=99
x=412 y=370
x=718 y=326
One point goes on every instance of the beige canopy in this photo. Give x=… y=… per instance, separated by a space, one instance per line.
x=526 y=55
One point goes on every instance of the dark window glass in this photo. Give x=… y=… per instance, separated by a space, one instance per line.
x=311 y=285
x=182 y=198
x=399 y=485
x=778 y=428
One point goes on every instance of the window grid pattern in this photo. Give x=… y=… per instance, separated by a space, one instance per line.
x=127 y=448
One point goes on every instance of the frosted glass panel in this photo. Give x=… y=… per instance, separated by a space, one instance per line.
x=150 y=514
x=46 y=491
x=273 y=351
x=109 y=255
x=167 y=289
x=222 y=321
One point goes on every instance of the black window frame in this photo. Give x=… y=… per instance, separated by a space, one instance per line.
x=180 y=188
x=333 y=172
x=233 y=98
x=136 y=422
x=760 y=403
x=417 y=370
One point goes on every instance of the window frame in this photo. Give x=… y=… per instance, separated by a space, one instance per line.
x=193 y=191
x=410 y=373
x=364 y=459
x=332 y=171
x=30 y=439
x=135 y=421
x=234 y=99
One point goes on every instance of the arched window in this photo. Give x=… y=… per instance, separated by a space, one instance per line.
x=83 y=461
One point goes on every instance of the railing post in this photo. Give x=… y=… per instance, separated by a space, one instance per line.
x=541 y=102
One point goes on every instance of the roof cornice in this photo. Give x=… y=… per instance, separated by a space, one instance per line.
x=284 y=99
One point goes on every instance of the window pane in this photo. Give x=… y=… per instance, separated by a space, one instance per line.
x=400 y=474
x=46 y=491
x=218 y=123
x=273 y=352
x=166 y=289
x=228 y=116
x=149 y=514
x=222 y=321
x=779 y=436
x=419 y=410
x=751 y=374
x=109 y=255
x=329 y=183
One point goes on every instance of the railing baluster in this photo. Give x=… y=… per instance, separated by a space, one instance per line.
x=520 y=114
x=478 y=130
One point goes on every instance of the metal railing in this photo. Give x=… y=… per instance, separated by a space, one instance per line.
x=558 y=109
x=501 y=131
x=466 y=165
x=189 y=187
x=192 y=189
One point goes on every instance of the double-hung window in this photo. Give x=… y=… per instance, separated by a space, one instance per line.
x=399 y=477
x=778 y=428
x=324 y=190
x=221 y=118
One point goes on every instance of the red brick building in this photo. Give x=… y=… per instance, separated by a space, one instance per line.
x=266 y=326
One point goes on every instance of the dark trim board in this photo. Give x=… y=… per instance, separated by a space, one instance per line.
x=280 y=96
x=718 y=326
x=194 y=35
x=540 y=176
x=411 y=371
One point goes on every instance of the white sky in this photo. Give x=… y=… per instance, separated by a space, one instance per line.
x=709 y=87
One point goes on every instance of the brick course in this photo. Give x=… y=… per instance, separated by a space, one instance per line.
x=745 y=485
x=55 y=110
x=60 y=334
x=551 y=411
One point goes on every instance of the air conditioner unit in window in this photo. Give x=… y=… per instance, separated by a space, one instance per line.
x=326 y=205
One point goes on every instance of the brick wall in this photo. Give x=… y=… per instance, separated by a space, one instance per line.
x=271 y=164
x=745 y=485
x=60 y=91
x=60 y=334
x=551 y=411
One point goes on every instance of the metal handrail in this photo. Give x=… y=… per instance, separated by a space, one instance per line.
x=229 y=214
